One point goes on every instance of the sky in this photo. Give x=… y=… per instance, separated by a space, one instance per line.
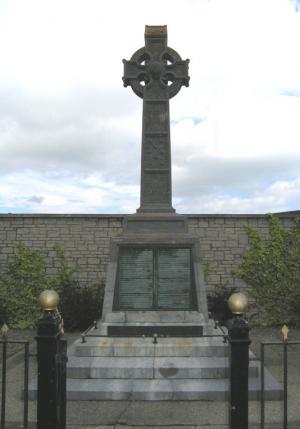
x=70 y=133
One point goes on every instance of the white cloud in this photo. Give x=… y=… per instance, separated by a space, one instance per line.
x=243 y=126
x=31 y=192
x=70 y=133
x=280 y=196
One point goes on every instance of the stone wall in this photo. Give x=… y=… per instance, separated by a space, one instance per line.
x=223 y=240
x=86 y=240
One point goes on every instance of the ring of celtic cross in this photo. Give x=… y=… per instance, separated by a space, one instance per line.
x=169 y=71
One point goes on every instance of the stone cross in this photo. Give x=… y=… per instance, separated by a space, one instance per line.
x=156 y=74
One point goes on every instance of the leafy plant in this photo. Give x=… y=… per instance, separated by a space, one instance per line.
x=20 y=285
x=25 y=278
x=272 y=269
x=81 y=305
x=65 y=276
x=218 y=304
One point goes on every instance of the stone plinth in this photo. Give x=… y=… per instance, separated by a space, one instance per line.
x=157 y=231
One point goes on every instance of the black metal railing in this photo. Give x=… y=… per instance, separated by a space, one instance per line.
x=5 y=343
x=51 y=360
x=285 y=346
x=88 y=334
x=84 y=336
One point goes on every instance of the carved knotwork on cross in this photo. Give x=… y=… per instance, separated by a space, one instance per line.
x=156 y=73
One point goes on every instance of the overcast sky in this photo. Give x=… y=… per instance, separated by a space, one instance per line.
x=70 y=133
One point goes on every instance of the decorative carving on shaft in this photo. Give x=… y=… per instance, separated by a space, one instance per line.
x=156 y=73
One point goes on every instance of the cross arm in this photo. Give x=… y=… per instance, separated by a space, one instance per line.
x=179 y=71
x=132 y=71
x=134 y=74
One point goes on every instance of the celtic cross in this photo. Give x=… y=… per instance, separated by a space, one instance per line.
x=156 y=74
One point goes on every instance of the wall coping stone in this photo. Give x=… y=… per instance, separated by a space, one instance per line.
x=121 y=216
x=54 y=215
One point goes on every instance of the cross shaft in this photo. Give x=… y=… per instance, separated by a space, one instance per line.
x=156 y=74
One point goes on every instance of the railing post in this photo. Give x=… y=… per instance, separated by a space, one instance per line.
x=4 y=331
x=238 y=335
x=51 y=359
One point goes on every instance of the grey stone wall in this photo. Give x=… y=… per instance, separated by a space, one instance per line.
x=223 y=240
x=86 y=240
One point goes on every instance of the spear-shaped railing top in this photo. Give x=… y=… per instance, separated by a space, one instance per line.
x=156 y=73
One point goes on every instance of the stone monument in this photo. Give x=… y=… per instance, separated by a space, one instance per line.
x=154 y=279
x=154 y=284
x=156 y=74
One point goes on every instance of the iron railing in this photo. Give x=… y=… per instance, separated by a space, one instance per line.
x=87 y=334
x=5 y=342
x=285 y=345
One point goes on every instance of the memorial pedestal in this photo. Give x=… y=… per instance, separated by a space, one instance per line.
x=169 y=297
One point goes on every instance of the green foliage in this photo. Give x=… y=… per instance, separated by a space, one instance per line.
x=20 y=285
x=25 y=278
x=218 y=304
x=81 y=305
x=272 y=269
x=65 y=276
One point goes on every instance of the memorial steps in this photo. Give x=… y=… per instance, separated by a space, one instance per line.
x=106 y=368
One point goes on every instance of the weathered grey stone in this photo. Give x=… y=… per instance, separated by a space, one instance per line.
x=160 y=390
x=153 y=225
x=157 y=375
x=156 y=189
x=193 y=317
x=116 y=317
x=167 y=347
x=108 y=368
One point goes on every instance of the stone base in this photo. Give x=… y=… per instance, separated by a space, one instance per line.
x=158 y=208
x=163 y=323
x=141 y=369
x=155 y=330
x=155 y=224
x=155 y=230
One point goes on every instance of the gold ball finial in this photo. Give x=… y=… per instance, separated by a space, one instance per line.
x=49 y=300
x=238 y=303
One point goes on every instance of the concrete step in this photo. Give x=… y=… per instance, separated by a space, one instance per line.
x=144 y=347
x=151 y=367
x=162 y=390
x=135 y=368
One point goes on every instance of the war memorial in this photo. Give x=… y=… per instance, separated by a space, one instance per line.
x=156 y=341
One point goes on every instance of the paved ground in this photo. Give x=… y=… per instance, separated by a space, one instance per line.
x=163 y=414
